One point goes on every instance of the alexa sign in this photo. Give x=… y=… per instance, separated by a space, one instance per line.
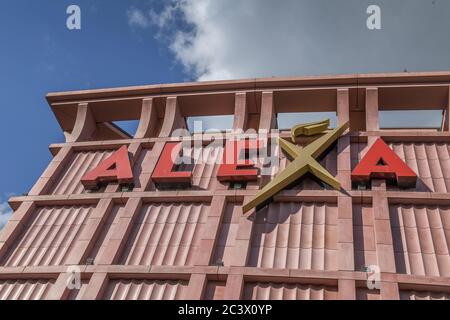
x=380 y=162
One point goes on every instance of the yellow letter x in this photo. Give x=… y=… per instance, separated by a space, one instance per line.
x=304 y=161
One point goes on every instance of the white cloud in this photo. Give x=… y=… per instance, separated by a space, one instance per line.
x=5 y=213
x=251 y=38
x=163 y=18
x=255 y=38
x=138 y=18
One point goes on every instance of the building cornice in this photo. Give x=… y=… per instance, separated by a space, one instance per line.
x=253 y=84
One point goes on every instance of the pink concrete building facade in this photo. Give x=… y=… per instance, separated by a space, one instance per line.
x=309 y=242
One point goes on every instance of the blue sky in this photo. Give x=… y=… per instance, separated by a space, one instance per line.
x=39 y=54
x=135 y=42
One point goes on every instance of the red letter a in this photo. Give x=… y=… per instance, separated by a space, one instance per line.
x=382 y=162
x=115 y=168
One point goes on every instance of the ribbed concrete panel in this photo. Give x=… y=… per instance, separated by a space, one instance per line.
x=165 y=234
x=430 y=161
x=363 y=236
x=107 y=231
x=421 y=237
x=366 y=294
x=423 y=295
x=24 y=289
x=215 y=290
x=80 y=163
x=145 y=290
x=288 y=291
x=227 y=234
x=48 y=237
x=295 y=235
x=329 y=162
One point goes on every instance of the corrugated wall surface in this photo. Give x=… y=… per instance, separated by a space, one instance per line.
x=145 y=290
x=421 y=237
x=81 y=162
x=295 y=235
x=430 y=161
x=24 y=289
x=165 y=234
x=48 y=236
x=287 y=291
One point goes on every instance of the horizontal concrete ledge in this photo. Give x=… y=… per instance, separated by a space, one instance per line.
x=117 y=197
x=388 y=135
x=424 y=198
x=329 y=196
x=213 y=273
x=183 y=272
x=415 y=282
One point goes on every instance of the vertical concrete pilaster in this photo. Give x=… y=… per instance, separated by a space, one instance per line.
x=244 y=233
x=211 y=231
x=383 y=238
x=346 y=289
x=96 y=287
x=120 y=236
x=196 y=287
x=172 y=118
x=147 y=123
x=446 y=118
x=90 y=233
x=235 y=287
x=60 y=290
x=372 y=113
x=343 y=152
x=345 y=234
x=235 y=282
x=85 y=125
x=372 y=108
x=240 y=112
x=268 y=117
